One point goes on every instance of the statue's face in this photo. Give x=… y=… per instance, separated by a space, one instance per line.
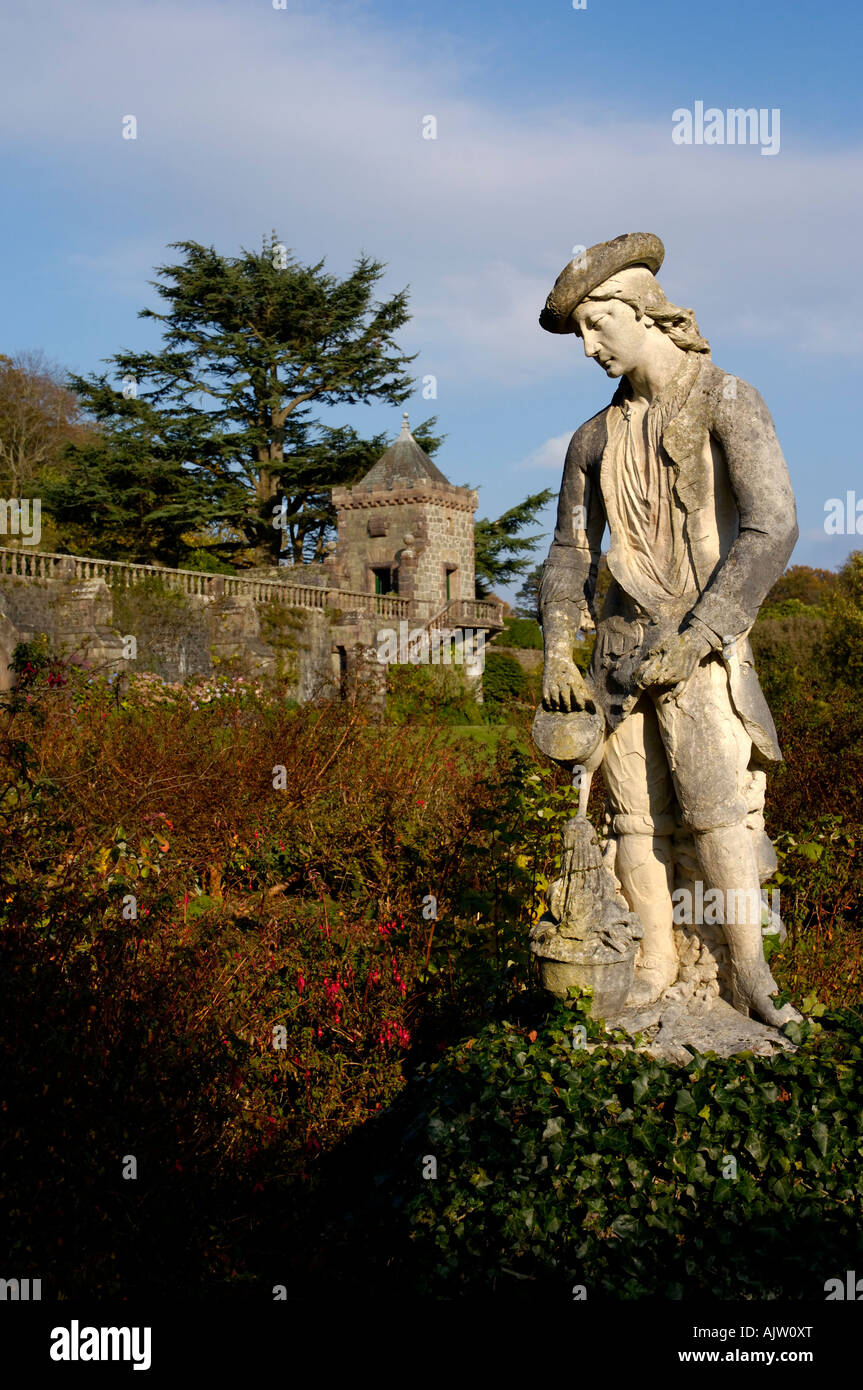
x=612 y=334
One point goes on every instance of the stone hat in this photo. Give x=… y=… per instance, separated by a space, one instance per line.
x=591 y=268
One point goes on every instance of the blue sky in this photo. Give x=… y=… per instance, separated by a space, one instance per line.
x=554 y=130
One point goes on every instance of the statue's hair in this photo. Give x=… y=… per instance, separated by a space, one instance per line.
x=638 y=287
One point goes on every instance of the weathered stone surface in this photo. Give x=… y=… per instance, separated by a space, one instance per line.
x=9 y=639
x=568 y=738
x=588 y=937
x=235 y=636
x=685 y=470
x=29 y=603
x=81 y=613
x=405 y=518
x=675 y=1029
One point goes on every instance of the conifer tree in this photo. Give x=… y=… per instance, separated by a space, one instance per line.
x=252 y=344
x=500 y=553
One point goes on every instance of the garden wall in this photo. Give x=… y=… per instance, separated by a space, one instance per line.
x=176 y=635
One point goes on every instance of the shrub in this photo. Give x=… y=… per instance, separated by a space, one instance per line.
x=504 y=679
x=814 y=815
x=786 y=647
x=810 y=586
x=36 y=664
x=790 y=608
x=430 y=692
x=843 y=640
x=163 y=908
x=522 y=632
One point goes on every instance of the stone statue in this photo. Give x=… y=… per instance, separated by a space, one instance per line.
x=685 y=469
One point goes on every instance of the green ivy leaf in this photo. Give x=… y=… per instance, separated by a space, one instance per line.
x=624 y=1225
x=685 y=1105
x=821 y=1136
x=756 y=1146
x=640 y=1085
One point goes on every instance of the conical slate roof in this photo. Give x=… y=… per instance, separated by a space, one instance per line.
x=404 y=462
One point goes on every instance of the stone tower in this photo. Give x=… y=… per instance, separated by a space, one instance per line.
x=405 y=530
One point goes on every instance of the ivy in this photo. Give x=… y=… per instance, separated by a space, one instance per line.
x=732 y=1177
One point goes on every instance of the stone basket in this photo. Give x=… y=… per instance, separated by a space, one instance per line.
x=605 y=971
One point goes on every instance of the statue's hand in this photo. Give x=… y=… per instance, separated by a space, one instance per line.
x=564 y=687
x=672 y=661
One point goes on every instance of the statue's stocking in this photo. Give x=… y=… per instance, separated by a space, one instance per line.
x=728 y=861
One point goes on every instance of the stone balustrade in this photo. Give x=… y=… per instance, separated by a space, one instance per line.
x=21 y=563
x=465 y=612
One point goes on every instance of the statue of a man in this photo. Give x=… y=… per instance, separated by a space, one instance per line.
x=685 y=469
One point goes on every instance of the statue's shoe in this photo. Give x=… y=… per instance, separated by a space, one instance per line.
x=751 y=990
x=653 y=975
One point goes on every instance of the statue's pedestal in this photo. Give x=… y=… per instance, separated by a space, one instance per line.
x=677 y=1026
x=589 y=938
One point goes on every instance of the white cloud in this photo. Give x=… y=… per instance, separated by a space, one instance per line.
x=548 y=457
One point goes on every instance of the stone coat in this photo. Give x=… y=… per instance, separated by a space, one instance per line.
x=731 y=480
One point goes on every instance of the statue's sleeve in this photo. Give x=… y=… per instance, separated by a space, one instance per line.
x=569 y=575
x=768 y=518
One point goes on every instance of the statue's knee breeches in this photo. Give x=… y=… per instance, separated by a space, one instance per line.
x=708 y=750
x=637 y=776
x=684 y=761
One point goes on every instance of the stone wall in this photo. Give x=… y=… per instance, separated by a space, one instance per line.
x=528 y=658
x=29 y=603
x=176 y=635
x=76 y=615
x=303 y=647
x=449 y=547
x=9 y=638
x=314 y=654
x=421 y=531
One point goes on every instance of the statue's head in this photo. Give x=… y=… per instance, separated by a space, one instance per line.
x=625 y=317
x=609 y=296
